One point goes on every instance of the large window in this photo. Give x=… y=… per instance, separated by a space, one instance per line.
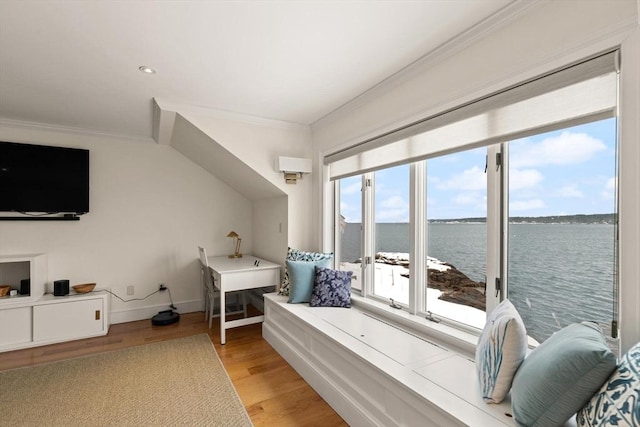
x=349 y=229
x=512 y=196
x=562 y=215
x=457 y=236
x=391 y=216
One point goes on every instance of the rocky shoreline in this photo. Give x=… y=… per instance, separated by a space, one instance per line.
x=455 y=286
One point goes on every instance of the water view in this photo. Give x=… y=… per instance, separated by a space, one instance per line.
x=558 y=273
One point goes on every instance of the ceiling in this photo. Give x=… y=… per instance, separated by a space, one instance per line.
x=74 y=64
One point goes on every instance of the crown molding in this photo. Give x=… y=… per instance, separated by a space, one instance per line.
x=69 y=130
x=503 y=17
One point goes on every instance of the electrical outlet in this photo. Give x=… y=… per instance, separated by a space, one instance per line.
x=130 y=290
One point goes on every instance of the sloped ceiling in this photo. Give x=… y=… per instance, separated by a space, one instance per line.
x=194 y=144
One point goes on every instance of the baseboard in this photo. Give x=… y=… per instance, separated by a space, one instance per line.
x=147 y=312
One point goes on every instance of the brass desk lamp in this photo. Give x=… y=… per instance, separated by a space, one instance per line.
x=237 y=253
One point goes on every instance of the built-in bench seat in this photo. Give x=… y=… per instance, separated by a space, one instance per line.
x=374 y=373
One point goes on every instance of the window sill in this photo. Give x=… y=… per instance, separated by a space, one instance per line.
x=462 y=341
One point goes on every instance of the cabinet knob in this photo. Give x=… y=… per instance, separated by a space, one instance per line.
x=97 y=314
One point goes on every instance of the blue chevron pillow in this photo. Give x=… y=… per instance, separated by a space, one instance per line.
x=502 y=347
x=617 y=403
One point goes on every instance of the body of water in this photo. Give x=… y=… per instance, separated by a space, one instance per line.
x=558 y=273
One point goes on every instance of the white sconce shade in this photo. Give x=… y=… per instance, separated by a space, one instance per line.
x=293 y=168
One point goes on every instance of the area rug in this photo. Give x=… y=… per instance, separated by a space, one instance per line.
x=176 y=382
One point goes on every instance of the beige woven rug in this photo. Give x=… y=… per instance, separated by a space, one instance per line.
x=176 y=382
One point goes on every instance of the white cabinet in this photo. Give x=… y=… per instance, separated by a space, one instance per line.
x=37 y=318
x=69 y=319
x=52 y=319
x=15 y=326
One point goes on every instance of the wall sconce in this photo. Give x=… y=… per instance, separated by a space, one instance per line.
x=238 y=240
x=293 y=168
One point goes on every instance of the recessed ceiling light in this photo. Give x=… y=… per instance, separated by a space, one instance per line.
x=146 y=70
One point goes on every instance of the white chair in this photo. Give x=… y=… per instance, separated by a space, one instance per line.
x=211 y=293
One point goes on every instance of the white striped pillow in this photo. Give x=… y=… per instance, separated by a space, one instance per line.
x=501 y=349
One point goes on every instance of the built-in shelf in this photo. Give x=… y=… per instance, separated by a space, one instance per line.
x=14 y=268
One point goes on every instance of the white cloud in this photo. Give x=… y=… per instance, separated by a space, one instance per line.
x=393 y=209
x=466 y=199
x=524 y=178
x=566 y=149
x=350 y=213
x=470 y=179
x=570 y=192
x=610 y=188
x=475 y=203
x=394 y=202
x=351 y=189
x=433 y=180
x=525 y=205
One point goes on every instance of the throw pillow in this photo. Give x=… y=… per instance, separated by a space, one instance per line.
x=331 y=288
x=298 y=255
x=502 y=347
x=560 y=376
x=302 y=275
x=617 y=403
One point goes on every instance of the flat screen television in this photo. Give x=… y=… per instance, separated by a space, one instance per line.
x=43 y=179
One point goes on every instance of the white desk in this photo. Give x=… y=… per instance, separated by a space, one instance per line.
x=235 y=274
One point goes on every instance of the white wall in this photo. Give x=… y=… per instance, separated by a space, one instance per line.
x=259 y=142
x=150 y=208
x=542 y=38
x=270 y=233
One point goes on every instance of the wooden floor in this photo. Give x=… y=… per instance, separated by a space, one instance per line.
x=273 y=393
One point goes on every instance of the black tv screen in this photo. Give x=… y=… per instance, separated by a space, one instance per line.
x=43 y=179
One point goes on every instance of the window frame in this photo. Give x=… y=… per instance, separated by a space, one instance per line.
x=628 y=245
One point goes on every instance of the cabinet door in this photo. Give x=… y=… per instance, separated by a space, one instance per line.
x=15 y=326
x=68 y=320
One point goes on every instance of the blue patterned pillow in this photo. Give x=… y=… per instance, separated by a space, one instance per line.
x=298 y=255
x=617 y=403
x=502 y=347
x=331 y=288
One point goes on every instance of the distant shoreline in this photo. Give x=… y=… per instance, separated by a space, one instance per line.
x=553 y=219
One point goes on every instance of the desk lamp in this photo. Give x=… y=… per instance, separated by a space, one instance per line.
x=237 y=253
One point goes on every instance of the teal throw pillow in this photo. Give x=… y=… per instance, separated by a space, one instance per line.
x=501 y=348
x=298 y=255
x=560 y=376
x=302 y=274
x=617 y=403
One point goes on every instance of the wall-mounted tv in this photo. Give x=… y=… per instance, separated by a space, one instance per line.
x=43 y=179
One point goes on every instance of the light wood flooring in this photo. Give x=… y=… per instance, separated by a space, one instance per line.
x=273 y=393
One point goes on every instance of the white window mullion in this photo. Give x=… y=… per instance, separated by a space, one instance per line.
x=417 y=233
x=504 y=218
x=494 y=237
x=368 y=234
x=337 y=234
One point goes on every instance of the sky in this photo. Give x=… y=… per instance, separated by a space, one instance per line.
x=565 y=172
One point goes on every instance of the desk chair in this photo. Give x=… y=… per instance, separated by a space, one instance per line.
x=211 y=293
